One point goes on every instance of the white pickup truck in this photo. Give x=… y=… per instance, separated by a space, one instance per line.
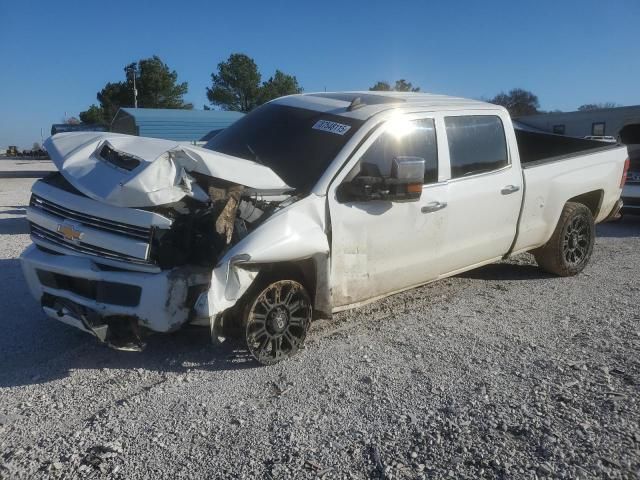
x=309 y=205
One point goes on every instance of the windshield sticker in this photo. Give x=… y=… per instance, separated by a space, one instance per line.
x=331 y=127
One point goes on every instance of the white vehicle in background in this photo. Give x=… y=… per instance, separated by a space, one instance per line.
x=309 y=205
x=601 y=138
x=631 y=191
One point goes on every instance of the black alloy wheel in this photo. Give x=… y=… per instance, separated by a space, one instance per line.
x=277 y=320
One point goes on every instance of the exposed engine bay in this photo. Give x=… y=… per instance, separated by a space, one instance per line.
x=202 y=233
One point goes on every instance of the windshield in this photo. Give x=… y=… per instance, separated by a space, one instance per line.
x=296 y=143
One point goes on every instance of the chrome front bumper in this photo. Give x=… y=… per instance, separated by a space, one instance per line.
x=160 y=302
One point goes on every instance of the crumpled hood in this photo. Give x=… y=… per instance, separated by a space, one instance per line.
x=162 y=172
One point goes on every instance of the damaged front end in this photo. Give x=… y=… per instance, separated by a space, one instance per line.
x=120 y=332
x=202 y=232
x=129 y=236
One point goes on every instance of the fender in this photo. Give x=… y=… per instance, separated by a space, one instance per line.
x=297 y=232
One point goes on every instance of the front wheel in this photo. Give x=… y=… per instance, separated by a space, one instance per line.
x=569 y=249
x=276 y=320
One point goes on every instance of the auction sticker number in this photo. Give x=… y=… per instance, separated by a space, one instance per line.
x=331 y=127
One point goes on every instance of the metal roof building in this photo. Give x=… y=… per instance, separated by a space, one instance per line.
x=599 y=122
x=76 y=127
x=171 y=124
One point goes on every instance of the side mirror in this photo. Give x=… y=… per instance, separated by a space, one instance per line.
x=407 y=177
x=410 y=169
x=405 y=182
x=361 y=189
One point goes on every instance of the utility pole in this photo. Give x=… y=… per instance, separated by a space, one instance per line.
x=135 y=90
x=132 y=69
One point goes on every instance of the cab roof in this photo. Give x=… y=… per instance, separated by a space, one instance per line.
x=364 y=104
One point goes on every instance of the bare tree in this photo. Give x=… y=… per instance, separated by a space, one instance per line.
x=519 y=102
x=597 y=106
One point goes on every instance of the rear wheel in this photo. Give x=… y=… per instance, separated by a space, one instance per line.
x=570 y=247
x=276 y=319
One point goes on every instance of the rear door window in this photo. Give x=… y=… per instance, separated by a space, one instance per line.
x=477 y=144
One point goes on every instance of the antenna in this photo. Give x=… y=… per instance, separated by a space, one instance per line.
x=355 y=104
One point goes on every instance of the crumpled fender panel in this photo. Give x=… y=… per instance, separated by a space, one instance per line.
x=295 y=233
x=162 y=175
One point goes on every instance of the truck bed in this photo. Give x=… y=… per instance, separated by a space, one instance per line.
x=537 y=148
x=559 y=169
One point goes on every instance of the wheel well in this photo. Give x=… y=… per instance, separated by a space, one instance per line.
x=303 y=271
x=591 y=200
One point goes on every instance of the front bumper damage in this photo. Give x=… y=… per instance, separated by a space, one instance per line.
x=120 y=262
x=119 y=306
x=111 y=303
x=121 y=249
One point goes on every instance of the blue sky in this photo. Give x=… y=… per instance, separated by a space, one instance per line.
x=55 y=55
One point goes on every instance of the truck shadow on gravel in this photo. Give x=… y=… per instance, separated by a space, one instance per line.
x=35 y=349
x=13 y=226
x=506 y=271
x=177 y=353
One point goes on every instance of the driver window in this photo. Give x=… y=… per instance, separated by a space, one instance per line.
x=412 y=138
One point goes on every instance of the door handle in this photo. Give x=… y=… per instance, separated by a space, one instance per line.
x=510 y=189
x=433 y=207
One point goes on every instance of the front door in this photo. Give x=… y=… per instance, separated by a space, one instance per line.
x=379 y=246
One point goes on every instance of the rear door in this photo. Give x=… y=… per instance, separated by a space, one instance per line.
x=485 y=189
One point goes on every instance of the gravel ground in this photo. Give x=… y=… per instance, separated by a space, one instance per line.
x=504 y=372
x=24 y=167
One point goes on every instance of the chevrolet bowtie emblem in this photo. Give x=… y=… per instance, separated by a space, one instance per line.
x=69 y=232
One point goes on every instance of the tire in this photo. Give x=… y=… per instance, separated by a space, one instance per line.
x=276 y=319
x=570 y=247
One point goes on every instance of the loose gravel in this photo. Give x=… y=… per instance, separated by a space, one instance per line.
x=503 y=372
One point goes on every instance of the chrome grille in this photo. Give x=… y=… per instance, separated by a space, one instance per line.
x=38 y=232
x=131 y=231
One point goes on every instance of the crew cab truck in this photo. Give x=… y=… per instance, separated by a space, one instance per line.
x=309 y=205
